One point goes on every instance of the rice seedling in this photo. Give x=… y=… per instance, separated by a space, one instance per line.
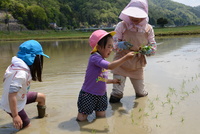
x=156 y=115
x=183 y=84
x=132 y=120
x=167 y=96
x=182 y=119
x=93 y=131
x=168 y=100
x=158 y=125
x=193 y=91
x=163 y=103
x=172 y=91
x=182 y=97
x=140 y=117
x=151 y=106
x=146 y=114
x=186 y=93
x=171 y=110
x=157 y=98
x=140 y=110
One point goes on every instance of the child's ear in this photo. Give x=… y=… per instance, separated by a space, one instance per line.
x=98 y=47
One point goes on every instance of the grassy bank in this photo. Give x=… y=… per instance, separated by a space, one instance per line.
x=53 y=35
x=186 y=30
x=42 y=35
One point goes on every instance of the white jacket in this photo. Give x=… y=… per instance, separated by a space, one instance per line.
x=17 y=74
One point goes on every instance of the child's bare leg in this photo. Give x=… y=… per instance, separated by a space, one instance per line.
x=81 y=117
x=41 y=98
x=41 y=105
x=100 y=113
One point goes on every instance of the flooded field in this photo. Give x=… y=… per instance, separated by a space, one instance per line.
x=172 y=78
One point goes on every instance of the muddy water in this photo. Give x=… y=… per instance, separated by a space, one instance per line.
x=171 y=77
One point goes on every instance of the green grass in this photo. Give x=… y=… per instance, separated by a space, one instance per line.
x=42 y=35
x=52 y=35
x=186 y=30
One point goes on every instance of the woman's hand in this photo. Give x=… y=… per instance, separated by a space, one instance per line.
x=123 y=45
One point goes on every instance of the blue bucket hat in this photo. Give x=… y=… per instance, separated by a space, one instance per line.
x=28 y=51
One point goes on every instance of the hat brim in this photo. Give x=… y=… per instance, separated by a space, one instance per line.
x=112 y=33
x=45 y=55
x=135 y=12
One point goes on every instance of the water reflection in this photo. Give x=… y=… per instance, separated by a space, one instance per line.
x=63 y=77
x=68 y=55
x=166 y=45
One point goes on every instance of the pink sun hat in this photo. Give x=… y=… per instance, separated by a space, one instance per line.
x=135 y=12
x=96 y=36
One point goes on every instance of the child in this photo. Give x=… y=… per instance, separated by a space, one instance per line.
x=25 y=66
x=92 y=96
x=134 y=29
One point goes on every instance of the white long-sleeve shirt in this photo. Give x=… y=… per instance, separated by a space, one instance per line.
x=16 y=75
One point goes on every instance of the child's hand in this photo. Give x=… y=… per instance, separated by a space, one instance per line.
x=130 y=54
x=116 y=81
x=17 y=122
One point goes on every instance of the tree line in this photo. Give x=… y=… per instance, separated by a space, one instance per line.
x=37 y=14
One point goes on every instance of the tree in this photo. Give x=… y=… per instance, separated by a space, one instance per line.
x=37 y=17
x=7 y=19
x=162 y=21
x=37 y=14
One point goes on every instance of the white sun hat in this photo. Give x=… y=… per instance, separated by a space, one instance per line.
x=135 y=8
x=135 y=12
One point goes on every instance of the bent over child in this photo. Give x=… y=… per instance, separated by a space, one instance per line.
x=26 y=66
x=93 y=96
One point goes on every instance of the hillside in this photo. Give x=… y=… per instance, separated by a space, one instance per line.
x=175 y=13
x=197 y=8
x=38 y=14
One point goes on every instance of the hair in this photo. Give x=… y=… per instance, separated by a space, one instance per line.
x=36 y=68
x=102 y=42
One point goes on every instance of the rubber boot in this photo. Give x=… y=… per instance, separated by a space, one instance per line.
x=41 y=111
x=141 y=95
x=114 y=99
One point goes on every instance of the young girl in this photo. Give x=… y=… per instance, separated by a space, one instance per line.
x=26 y=66
x=92 y=96
x=134 y=29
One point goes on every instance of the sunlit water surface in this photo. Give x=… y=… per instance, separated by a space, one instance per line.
x=171 y=77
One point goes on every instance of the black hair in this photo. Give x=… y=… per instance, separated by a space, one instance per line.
x=36 y=68
x=102 y=42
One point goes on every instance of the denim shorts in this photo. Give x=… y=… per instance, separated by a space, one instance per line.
x=31 y=97
x=87 y=103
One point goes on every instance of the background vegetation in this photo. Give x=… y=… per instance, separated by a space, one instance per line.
x=38 y=14
x=53 y=35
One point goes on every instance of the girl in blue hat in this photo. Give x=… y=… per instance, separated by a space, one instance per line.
x=26 y=66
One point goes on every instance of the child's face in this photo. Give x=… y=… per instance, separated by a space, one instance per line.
x=105 y=52
x=136 y=21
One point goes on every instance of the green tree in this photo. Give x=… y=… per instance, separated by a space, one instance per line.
x=37 y=17
x=37 y=14
x=18 y=11
x=162 y=22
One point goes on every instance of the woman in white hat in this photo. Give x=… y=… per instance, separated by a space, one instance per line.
x=134 y=29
